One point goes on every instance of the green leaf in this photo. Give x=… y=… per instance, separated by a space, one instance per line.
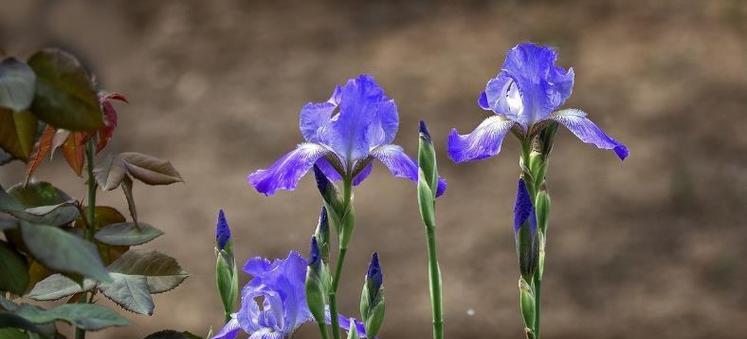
x=11 y=331
x=148 y=169
x=130 y=292
x=162 y=271
x=37 y=194
x=58 y=286
x=17 y=132
x=8 y=224
x=63 y=251
x=17 y=83
x=127 y=234
x=13 y=270
x=90 y=317
x=56 y=215
x=65 y=94
x=171 y=334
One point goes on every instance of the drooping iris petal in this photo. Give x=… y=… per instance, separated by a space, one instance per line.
x=363 y=174
x=485 y=141
x=288 y=170
x=541 y=85
x=266 y=334
x=367 y=118
x=588 y=132
x=523 y=209
x=401 y=165
x=229 y=330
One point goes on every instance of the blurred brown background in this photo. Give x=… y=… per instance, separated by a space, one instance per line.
x=650 y=248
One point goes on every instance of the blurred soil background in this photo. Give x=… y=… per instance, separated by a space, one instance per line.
x=652 y=247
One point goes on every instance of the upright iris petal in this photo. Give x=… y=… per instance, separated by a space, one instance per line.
x=524 y=94
x=343 y=136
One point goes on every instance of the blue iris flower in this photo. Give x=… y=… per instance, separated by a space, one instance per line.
x=273 y=303
x=524 y=96
x=342 y=137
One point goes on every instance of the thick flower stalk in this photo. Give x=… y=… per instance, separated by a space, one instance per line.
x=427 y=181
x=524 y=98
x=343 y=136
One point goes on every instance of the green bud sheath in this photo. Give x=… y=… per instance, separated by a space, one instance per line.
x=527 y=250
x=526 y=302
x=227 y=280
x=353 y=333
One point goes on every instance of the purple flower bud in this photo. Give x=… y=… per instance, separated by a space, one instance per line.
x=222 y=231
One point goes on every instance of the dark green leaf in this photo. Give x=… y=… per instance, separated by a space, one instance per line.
x=60 y=214
x=90 y=317
x=127 y=234
x=57 y=286
x=17 y=132
x=162 y=271
x=37 y=194
x=17 y=82
x=63 y=251
x=12 y=332
x=130 y=292
x=13 y=270
x=65 y=95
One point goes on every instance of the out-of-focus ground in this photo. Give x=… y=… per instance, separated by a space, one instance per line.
x=652 y=247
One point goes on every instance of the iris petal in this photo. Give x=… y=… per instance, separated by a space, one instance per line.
x=588 y=132
x=313 y=117
x=485 y=141
x=288 y=170
x=401 y=165
x=229 y=331
x=367 y=118
x=266 y=333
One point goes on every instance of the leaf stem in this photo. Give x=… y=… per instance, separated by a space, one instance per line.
x=435 y=283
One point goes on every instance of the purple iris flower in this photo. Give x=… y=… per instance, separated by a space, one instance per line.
x=524 y=97
x=273 y=303
x=342 y=137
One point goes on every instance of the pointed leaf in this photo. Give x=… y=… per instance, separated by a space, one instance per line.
x=38 y=194
x=110 y=173
x=65 y=96
x=63 y=251
x=13 y=270
x=127 y=189
x=42 y=148
x=162 y=271
x=17 y=82
x=54 y=215
x=74 y=151
x=89 y=317
x=127 y=234
x=57 y=286
x=130 y=292
x=150 y=170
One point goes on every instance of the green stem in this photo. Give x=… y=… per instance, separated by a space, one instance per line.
x=537 y=305
x=90 y=214
x=348 y=223
x=323 y=330
x=435 y=284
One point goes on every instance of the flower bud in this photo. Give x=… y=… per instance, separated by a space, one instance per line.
x=316 y=283
x=525 y=231
x=331 y=196
x=226 y=272
x=372 y=298
x=427 y=159
x=322 y=234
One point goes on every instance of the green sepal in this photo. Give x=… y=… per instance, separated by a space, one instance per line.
x=227 y=279
x=322 y=234
x=526 y=302
x=372 y=309
x=527 y=250
x=542 y=208
x=318 y=283
x=426 y=202
x=353 y=333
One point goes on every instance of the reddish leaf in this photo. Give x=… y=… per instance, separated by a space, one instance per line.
x=74 y=151
x=42 y=148
x=110 y=118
